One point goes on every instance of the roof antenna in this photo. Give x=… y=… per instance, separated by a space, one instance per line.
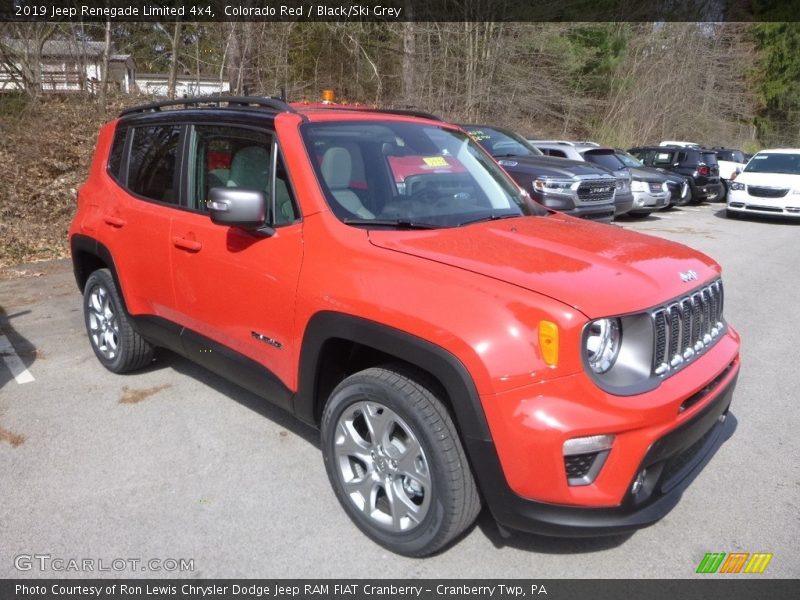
x=283 y=94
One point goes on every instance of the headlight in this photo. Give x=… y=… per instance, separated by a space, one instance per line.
x=623 y=185
x=552 y=186
x=602 y=344
x=736 y=185
x=639 y=186
x=618 y=353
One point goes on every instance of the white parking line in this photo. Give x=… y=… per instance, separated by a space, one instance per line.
x=13 y=361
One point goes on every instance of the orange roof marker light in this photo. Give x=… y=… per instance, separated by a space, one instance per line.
x=328 y=96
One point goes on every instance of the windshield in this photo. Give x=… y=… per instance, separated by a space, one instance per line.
x=409 y=175
x=774 y=163
x=502 y=143
x=627 y=159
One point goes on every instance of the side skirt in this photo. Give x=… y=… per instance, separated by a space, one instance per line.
x=215 y=357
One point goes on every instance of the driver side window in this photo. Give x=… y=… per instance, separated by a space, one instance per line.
x=237 y=157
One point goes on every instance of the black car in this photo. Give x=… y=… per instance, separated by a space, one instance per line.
x=679 y=190
x=698 y=164
x=576 y=188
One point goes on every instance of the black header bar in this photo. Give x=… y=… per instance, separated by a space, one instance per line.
x=398 y=10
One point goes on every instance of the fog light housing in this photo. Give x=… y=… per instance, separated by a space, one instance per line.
x=584 y=457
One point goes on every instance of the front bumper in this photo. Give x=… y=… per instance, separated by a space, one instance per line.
x=595 y=211
x=524 y=482
x=623 y=203
x=743 y=202
x=708 y=192
x=650 y=201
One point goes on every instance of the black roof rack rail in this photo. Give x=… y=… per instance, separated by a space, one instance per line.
x=260 y=101
x=409 y=113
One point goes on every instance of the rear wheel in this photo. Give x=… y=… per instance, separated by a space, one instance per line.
x=117 y=346
x=395 y=462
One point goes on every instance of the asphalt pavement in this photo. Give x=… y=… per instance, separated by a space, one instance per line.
x=174 y=464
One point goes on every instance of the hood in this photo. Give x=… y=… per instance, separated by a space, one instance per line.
x=598 y=269
x=776 y=180
x=549 y=166
x=647 y=174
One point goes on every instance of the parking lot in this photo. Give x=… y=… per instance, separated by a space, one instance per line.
x=177 y=463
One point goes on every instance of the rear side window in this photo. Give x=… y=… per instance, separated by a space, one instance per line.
x=663 y=159
x=153 y=163
x=709 y=158
x=115 y=155
x=556 y=153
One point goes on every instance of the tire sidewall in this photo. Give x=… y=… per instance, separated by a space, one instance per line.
x=414 y=542
x=102 y=278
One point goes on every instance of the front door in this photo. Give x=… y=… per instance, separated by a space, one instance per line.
x=232 y=286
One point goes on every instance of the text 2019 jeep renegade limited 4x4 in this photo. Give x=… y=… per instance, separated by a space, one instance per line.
x=377 y=274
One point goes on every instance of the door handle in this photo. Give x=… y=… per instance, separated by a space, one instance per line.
x=113 y=221
x=184 y=244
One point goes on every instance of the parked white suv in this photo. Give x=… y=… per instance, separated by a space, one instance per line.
x=769 y=185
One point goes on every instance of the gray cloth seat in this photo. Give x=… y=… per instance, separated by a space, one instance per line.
x=337 y=170
x=250 y=169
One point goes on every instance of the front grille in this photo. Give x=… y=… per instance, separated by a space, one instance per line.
x=686 y=327
x=766 y=192
x=655 y=187
x=774 y=209
x=595 y=191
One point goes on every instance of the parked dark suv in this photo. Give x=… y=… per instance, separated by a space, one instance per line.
x=570 y=186
x=699 y=164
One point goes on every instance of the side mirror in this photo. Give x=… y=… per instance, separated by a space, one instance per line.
x=239 y=207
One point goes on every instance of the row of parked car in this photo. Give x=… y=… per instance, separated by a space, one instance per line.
x=587 y=180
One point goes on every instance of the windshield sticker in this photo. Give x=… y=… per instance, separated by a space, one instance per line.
x=762 y=157
x=435 y=161
x=479 y=136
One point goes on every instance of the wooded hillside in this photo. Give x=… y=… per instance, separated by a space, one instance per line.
x=725 y=84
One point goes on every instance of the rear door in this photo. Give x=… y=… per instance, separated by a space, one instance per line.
x=232 y=286
x=137 y=225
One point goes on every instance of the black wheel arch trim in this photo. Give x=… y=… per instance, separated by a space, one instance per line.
x=440 y=363
x=88 y=245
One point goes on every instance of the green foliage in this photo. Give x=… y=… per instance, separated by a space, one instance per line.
x=595 y=51
x=778 y=82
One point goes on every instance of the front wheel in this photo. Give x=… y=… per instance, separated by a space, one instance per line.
x=640 y=214
x=115 y=343
x=395 y=462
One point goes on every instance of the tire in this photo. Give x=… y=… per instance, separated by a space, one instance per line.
x=412 y=491
x=117 y=346
x=731 y=214
x=639 y=214
x=724 y=196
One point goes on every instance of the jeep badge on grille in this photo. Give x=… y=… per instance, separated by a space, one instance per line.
x=687 y=276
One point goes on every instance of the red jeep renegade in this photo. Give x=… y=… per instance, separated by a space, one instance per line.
x=377 y=274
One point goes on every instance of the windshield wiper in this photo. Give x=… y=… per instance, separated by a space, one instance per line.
x=491 y=217
x=397 y=223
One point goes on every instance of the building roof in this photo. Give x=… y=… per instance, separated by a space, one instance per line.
x=60 y=48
